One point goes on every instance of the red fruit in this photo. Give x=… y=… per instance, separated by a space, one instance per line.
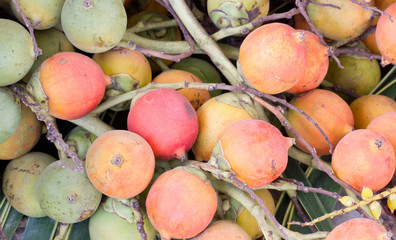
x=358 y=228
x=386 y=35
x=180 y=205
x=74 y=84
x=166 y=120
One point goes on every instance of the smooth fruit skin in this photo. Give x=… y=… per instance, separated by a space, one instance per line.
x=108 y=225
x=66 y=195
x=166 y=120
x=364 y=158
x=10 y=112
x=24 y=138
x=358 y=228
x=368 y=107
x=350 y=21
x=42 y=14
x=16 y=52
x=196 y=97
x=180 y=205
x=50 y=41
x=213 y=117
x=255 y=150
x=94 y=26
x=385 y=124
x=19 y=182
x=328 y=110
x=223 y=230
x=360 y=74
x=386 y=35
x=125 y=60
x=246 y=219
x=317 y=64
x=120 y=164
x=268 y=56
x=74 y=84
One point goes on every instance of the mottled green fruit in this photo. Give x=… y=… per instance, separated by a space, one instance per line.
x=16 y=52
x=94 y=26
x=50 y=41
x=79 y=141
x=66 y=195
x=202 y=69
x=19 y=182
x=234 y=13
x=10 y=113
x=108 y=225
x=360 y=74
x=42 y=14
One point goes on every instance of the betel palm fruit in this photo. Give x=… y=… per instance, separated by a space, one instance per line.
x=267 y=57
x=385 y=124
x=214 y=116
x=180 y=204
x=16 y=52
x=385 y=34
x=347 y=21
x=10 y=111
x=358 y=228
x=66 y=195
x=328 y=110
x=166 y=120
x=19 y=182
x=42 y=14
x=94 y=26
x=364 y=158
x=222 y=230
x=255 y=150
x=73 y=83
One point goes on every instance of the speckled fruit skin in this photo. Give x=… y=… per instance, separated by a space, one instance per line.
x=317 y=64
x=19 y=182
x=74 y=84
x=385 y=124
x=166 y=120
x=196 y=97
x=223 y=230
x=120 y=164
x=180 y=205
x=94 y=26
x=350 y=21
x=268 y=56
x=358 y=228
x=328 y=110
x=24 y=138
x=368 y=107
x=385 y=35
x=364 y=158
x=65 y=195
x=255 y=150
x=213 y=116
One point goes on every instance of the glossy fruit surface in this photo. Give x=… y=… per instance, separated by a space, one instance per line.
x=386 y=35
x=359 y=228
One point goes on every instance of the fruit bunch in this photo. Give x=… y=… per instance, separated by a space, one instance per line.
x=173 y=119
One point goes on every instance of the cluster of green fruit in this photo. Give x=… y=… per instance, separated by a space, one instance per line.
x=184 y=139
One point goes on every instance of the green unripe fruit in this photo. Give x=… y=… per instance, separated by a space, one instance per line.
x=16 y=52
